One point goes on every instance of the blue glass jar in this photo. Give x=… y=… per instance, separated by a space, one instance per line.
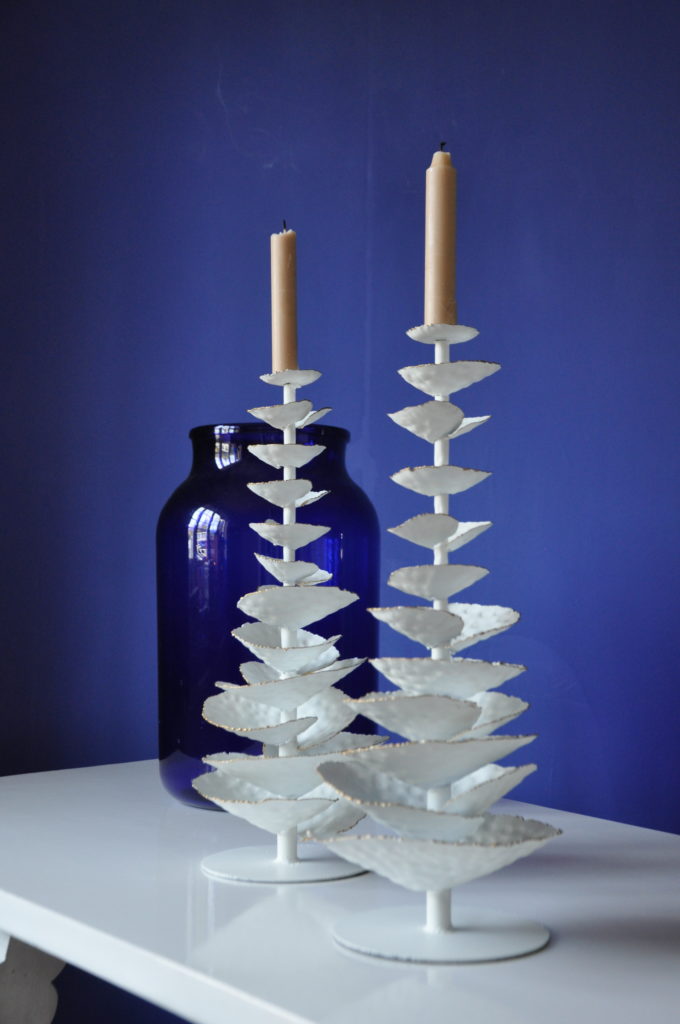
x=205 y=563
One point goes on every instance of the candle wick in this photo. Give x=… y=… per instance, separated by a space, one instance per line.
x=284 y=226
x=441 y=146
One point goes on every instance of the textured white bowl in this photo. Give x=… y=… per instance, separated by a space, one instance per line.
x=447 y=378
x=298 y=378
x=497 y=709
x=361 y=782
x=294 y=607
x=431 y=865
x=468 y=424
x=314 y=416
x=228 y=710
x=282 y=416
x=460 y=677
x=416 y=822
x=345 y=743
x=427 y=529
x=290 y=535
x=289 y=777
x=270 y=814
x=339 y=817
x=254 y=672
x=228 y=787
x=286 y=455
x=310 y=498
x=430 y=529
x=418 y=717
x=283 y=493
x=434 y=480
x=437 y=763
x=481 y=621
x=430 y=421
x=307 y=652
x=424 y=625
x=454 y=334
x=435 y=582
x=292 y=691
x=465 y=533
x=293 y=573
x=480 y=790
x=331 y=714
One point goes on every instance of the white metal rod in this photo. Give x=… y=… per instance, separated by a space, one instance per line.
x=286 y=846
x=438 y=911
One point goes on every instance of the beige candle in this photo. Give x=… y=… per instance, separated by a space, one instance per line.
x=284 y=301
x=440 y=241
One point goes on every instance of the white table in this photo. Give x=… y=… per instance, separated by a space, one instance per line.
x=100 y=867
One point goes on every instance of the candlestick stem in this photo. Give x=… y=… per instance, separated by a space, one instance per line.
x=286 y=846
x=438 y=911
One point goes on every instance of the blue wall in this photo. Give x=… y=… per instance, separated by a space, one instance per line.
x=150 y=149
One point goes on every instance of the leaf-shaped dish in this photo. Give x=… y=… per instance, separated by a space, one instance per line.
x=286 y=455
x=281 y=492
x=422 y=864
x=431 y=421
x=454 y=334
x=294 y=607
x=416 y=822
x=434 y=480
x=229 y=710
x=339 y=817
x=288 y=777
x=435 y=582
x=460 y=677
x=496 y=709
x=298 y=378
x=435 y=762
x=478 y=791
x=307 y=652
x=480 y=621
x=447 y=378
x=293 y=573
x=331 y=714
x=418 y=717
x=424 y=625
x=428 y=529
x=293 y=691
x=271 y=814
x=468 y=424
x=282 y=416
x=314 y=416
x=289 y=535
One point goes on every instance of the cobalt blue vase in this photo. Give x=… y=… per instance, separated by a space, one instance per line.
x=205 y=563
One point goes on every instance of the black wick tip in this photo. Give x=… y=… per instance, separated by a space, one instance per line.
x=441 y=146
x=284 y=226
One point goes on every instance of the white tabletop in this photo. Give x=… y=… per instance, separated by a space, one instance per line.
x=100 y=867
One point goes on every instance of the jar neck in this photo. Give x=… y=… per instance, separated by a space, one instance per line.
x=217 y=447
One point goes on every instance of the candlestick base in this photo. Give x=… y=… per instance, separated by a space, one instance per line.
x=398 y=933
x=257 y=864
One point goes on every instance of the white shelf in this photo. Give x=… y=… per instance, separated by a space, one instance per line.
x=100 y=867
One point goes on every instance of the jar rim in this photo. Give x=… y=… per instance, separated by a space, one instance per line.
x=315 y=430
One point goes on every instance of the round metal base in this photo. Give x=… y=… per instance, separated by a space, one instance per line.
x=259 y=864
x=398 y=933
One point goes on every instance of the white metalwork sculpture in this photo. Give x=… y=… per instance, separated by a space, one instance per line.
x=435 y=789
x=288 y=702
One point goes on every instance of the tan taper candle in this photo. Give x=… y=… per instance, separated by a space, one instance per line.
x=284 y=301
x=440 y=241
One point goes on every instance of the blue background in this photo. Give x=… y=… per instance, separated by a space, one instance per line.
x=150 y=150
